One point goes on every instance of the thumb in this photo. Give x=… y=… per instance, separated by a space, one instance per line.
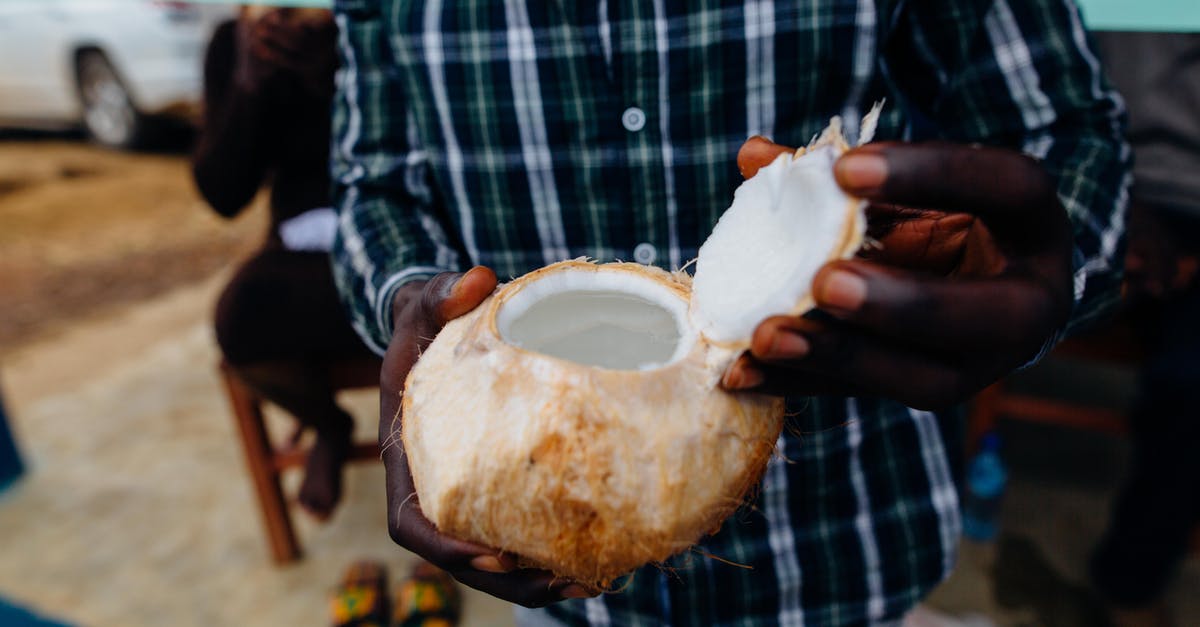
x=756 y=152
x=451 y=295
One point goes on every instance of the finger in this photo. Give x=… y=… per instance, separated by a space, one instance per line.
x=757 y=152
x=282 y=44
x=451 y=294
x=1001 y=186
x=529 y=588
x=848 y=362
x=930 y=241
x=478 y=566
x=1009 y=311
x=778 y=379
x=950 y=177
x=410 y=529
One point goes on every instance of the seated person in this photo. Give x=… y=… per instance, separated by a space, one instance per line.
x=268 y=82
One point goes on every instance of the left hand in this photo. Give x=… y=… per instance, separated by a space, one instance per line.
x=971 y=277
x=419 y=310
x=288 y=41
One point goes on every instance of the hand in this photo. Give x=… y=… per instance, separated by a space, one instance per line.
x=419 y=311
x=970 y=277
x=283 y=42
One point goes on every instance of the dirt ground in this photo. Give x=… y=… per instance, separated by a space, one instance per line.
x=137 y=509
x=86 y=230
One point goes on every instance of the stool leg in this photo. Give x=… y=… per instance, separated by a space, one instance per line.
x=259 y=458
x=983 y=414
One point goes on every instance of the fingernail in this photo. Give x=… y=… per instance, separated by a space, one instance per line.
x=456 y=286
x=843 y=290
x=488 y=564
x=576 y=591
x=861 y=172
x=740 y=377
x=788 y=345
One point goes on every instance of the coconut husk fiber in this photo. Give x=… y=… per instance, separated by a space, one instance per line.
x=587 y=472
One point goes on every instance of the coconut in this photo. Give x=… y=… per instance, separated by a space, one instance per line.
x=575 y=418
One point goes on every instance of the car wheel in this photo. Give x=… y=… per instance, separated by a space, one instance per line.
x=109 y=116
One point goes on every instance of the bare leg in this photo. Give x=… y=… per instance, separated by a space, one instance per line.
x=1160 y=505
x=303 y=391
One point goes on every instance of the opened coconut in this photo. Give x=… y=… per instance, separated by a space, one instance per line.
x=575 y=418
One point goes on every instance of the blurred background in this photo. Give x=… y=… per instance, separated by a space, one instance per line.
x=135 y=484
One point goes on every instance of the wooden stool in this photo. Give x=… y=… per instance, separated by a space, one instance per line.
x=266 y=463
x=1114 y=343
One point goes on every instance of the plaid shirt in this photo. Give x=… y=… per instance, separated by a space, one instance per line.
x=514 y=134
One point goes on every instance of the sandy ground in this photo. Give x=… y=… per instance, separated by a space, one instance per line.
x=138 y=511
x=86 y=230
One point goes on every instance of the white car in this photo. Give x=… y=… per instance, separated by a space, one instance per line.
x=112 y=66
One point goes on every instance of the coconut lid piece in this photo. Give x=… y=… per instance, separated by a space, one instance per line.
x=785 y=222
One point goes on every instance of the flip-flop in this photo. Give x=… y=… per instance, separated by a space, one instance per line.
x=429 y=597
x=361 y=598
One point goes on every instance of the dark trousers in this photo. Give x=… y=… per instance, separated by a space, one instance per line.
x=1159 y=506
x=280 y=324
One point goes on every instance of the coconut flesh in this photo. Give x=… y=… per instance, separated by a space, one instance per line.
x=575 y=418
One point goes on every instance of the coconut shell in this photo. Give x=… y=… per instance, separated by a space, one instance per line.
x=587 y=472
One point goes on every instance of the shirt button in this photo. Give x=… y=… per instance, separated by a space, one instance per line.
x=645 y=253
x=633 y=119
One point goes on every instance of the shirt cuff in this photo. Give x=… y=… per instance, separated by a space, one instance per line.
x=387 y=293
x=1048 y=346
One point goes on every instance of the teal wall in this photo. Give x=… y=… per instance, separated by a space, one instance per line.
x=1149 y=15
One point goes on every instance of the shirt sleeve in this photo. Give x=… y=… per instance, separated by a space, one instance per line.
x=390 y=232
x=1023 y=75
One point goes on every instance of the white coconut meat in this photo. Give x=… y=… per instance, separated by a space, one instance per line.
x=785 y=222
x=621 y=321
x=575 y=418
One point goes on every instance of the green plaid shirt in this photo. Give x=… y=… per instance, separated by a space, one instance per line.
x=514 y=134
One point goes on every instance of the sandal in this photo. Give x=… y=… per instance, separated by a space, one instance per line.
x=361 y=598
x=429 y=597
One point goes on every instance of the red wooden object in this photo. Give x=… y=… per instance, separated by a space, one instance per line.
x=266 y=462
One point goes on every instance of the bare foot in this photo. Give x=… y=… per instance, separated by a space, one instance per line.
x=321 y=489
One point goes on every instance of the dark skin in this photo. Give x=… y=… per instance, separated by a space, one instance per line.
x=971 y=276
x=296 y=43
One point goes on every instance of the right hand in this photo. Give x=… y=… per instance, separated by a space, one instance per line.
x=419 y=311
x=972 y=280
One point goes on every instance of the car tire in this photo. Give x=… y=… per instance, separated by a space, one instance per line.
x=109 y=115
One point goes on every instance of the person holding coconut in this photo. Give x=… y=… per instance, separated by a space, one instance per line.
x=491 y=141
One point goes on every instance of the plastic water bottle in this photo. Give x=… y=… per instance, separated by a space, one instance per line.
x=986 y=480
